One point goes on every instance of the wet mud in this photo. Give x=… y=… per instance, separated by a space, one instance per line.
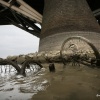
x=66 y=83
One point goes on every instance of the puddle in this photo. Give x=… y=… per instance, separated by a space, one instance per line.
x=14 y=87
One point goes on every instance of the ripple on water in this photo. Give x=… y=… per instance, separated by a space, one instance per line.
x=14 y=87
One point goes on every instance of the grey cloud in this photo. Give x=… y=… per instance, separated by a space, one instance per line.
x=14 y=41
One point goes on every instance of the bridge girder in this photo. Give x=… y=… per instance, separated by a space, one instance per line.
x=31 y=11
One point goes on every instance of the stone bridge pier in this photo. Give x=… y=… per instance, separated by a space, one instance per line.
x=65 y=18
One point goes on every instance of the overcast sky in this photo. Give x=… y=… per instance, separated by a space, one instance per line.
x=14 y=41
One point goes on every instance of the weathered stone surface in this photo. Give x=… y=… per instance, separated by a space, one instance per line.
x=65 y=18
x=43 y=57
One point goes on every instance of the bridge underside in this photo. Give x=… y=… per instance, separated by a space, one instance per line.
x=25 y=14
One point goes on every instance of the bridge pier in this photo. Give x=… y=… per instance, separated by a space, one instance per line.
x=65 y=18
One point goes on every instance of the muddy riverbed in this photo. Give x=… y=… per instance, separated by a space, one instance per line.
x=66 y=83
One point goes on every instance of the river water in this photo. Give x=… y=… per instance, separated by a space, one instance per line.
x=66 y=83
